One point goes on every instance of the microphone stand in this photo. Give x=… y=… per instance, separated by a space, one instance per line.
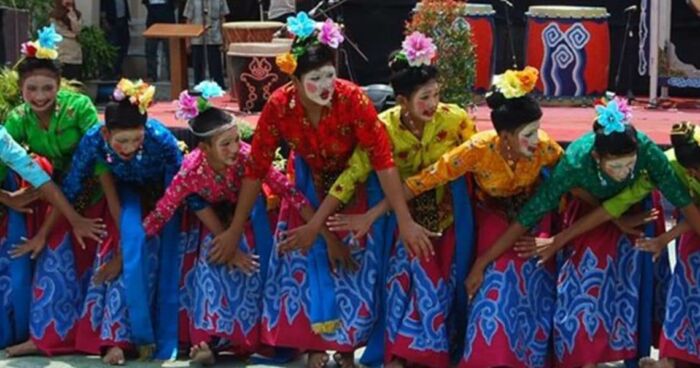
x=507 y=4
x=628 y=34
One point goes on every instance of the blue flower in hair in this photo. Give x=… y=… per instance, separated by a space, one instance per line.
x=301 y=25
x=209 y=89
x=611 y=118
x=48 y=37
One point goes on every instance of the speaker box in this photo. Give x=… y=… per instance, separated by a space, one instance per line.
x=15 y=31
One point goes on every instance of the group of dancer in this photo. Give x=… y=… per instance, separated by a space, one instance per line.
x=118 y=241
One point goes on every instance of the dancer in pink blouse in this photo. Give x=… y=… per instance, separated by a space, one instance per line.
x=225 y=301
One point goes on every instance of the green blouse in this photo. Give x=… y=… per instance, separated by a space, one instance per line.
x=619 y=204
x=73 y=116
x=578 y=169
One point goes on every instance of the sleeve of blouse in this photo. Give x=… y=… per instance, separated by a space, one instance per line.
x=664 y=176
x=548 y=195
x=15 y=129
x=82 y=164
x=265 y=143
x=619 y=204
x=357 y=171
x=448 y=167
x=176 y=193
x=467 y=127
x=281 y=186
x=12 y=154
x=371 y=133
x=85 y=113
x=552 y=152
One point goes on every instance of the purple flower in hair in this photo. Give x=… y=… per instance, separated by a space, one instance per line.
x=186 y=107
x=330 y=34
x=419 y=49
x=118 y=94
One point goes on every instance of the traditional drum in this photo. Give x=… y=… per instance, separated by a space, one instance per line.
x=481 y=21
x=250 y=31
x=571 y=47
x=253 y=73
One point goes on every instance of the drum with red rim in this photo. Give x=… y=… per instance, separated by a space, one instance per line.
x=253 y=73
x=571 y=48
x=481 y=21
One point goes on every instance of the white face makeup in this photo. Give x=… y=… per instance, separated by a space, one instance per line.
x=39 y=91
x=619 y=169
x=126 y=142
x=528 y=139
x=225 y=146
x=318 y=84
x=424 y=101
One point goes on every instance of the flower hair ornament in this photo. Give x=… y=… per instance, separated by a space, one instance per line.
x=417 y=50
x=44 y=47
x=516 y=83
x=139 y=93
x=685 y=131
x=190 y=105
x=308 y=32
x=613 y=115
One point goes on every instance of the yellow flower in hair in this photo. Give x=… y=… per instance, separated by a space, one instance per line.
x=46 y=53
x=146 y=98
x=514 y=83
x=287 y=63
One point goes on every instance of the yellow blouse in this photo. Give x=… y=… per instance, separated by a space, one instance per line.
x=449 y=128
x=493 y=175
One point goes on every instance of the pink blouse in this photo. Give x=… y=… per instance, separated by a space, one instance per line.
x=197 y=177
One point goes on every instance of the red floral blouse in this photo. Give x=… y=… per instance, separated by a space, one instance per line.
x=197 y=177
x=351 y=120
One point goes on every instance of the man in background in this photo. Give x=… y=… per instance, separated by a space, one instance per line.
x=114 y=19
x=159 y=11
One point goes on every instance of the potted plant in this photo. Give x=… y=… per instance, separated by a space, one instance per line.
x=98 y=57
x=444 y=22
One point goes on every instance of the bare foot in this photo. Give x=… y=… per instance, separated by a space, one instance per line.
x=202 y=354
x=317 y=359
x=26 y=348
x=114 y=356
x=396 y=363
x=345 y=360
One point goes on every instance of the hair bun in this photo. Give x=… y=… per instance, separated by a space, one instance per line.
x=495 y=99
x=397 y=64
x=683 y=134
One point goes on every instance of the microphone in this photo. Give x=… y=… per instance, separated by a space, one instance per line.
x=631 y=8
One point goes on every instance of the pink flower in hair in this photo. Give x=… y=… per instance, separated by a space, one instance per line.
x=419 y=49
x=330 y=34
x=624 y=108
x=186 y=107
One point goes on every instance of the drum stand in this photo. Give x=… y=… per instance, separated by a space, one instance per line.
x=628 y=34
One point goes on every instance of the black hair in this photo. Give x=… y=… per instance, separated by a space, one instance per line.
x=685 y=146
x=615 y=143
x=124 y=115
x=315 y=56
x=30 y=65
x=208 y=121
x=406 y=79
x=510 y=114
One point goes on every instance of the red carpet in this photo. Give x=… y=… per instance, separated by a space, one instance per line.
x=563 y=123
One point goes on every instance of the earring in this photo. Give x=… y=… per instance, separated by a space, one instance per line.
x=139 y=154
x=109 y=158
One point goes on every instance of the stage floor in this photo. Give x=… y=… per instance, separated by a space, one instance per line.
x=563 y=123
